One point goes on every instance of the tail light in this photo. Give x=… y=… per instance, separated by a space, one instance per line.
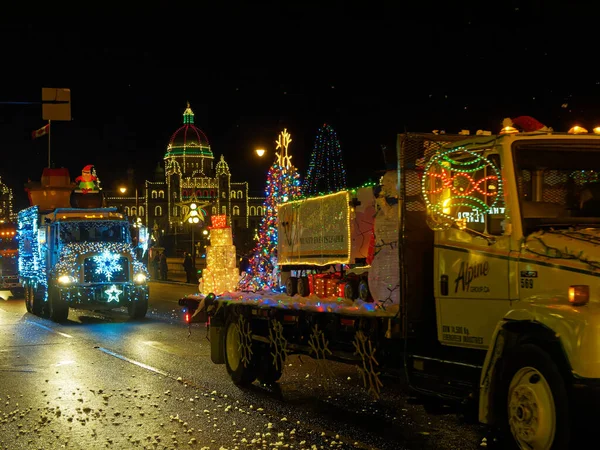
x=579 y=294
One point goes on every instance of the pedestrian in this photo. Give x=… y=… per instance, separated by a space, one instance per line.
x=155 y=266
x=188 y=266
x=162 y=265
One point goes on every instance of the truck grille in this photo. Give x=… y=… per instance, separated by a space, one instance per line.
x=102 y=270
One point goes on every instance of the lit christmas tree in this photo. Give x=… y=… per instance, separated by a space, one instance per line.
x=326 y=173
x=283 y=184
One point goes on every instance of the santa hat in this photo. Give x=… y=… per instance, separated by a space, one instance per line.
x=525 y=123
x=88 y=168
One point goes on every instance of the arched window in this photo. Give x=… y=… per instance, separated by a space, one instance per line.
x=223 y=209
x=214 y=210
x=259 y=211
x=232 y=195
x=161 y=194
x=133 y=211
x=240 y=195
x=224 y=194
x=141 y=211
x=252 y=211
x=157 y=211
x=236 y=211
x=206 y=193
x=127 y=210
x=154 y=194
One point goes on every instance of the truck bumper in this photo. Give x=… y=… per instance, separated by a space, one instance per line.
x=104 y=296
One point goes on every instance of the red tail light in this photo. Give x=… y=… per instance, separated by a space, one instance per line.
x=187 y=318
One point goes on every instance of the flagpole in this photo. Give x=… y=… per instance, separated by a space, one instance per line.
x=49 y=131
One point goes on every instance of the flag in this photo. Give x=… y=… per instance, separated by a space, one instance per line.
x=42 y=131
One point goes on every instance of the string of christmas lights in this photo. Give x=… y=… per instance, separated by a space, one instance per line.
x=326 y=172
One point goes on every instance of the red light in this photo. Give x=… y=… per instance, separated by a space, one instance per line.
x=187 y=317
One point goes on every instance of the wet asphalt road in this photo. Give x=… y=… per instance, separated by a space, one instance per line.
x=103 y=381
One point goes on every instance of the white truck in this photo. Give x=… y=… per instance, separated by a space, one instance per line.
x=488 y=249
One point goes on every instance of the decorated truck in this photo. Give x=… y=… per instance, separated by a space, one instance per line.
x=9 y=267
x=488 y=248
x=75 y=252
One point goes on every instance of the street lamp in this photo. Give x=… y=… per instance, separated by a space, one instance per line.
x=260 y=152
x=193 y=219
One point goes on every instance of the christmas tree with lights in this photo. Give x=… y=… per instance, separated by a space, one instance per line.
x=283 y=184
x=326 y=173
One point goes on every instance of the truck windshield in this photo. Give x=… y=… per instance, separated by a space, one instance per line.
x=558 y=182
x=94 y=232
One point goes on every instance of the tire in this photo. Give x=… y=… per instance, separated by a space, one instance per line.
x=351 y=289
x=242 y=373
x=303 y=287
x=363 y=291
x=535 y=405
x=28 y=299
x=34 y=303
x=137 y=309
x=267 y=373
x=291 y=286
x=58 y=309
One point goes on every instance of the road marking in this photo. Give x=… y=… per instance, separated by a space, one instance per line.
x=49 y=329
x=132 y=361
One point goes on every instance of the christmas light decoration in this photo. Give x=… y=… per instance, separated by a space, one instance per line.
x=326 y=171
x=283 y=184
x=113 y=294
x=460 y=178
x=107 y=264
x=221 y=273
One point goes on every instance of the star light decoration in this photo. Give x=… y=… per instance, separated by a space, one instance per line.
x=108 y=264
x=113 y=293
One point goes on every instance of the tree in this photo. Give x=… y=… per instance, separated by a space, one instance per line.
x=283 y=184
x=326 y=173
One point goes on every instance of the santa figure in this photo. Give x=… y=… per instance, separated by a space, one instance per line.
x=87 y=180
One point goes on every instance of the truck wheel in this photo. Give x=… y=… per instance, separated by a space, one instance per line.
x=58 y=308
x=137 y=309
x=33 y=302
x=291 y=286
x=241 y=372
x=363 y=291
x=303 y=287
x=537 y=406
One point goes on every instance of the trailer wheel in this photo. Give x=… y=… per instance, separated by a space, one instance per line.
x=242 y=371
x=363 y=291
x=303 y=287
x=291 y=286
x=58 y=308
x=137 y=309
x=536 y=403
x=351 y=289
x=268 y=373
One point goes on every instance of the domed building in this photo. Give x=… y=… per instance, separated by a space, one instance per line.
x=190 y=176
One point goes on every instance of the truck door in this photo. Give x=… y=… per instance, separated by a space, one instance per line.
x=472 y=249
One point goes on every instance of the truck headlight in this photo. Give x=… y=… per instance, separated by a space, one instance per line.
x=66 y=279
x=139 y=278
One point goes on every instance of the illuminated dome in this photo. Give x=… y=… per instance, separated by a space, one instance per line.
x=188 y=140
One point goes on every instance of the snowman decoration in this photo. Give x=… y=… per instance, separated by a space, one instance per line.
x=87 y=180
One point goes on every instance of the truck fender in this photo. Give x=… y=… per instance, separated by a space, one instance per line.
x=507 y=334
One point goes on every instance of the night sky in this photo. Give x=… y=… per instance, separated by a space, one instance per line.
x=371 y=70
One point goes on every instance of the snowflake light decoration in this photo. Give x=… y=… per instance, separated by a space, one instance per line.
x=108 y=264
x=113 y=293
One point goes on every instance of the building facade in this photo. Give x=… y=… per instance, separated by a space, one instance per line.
x=191 y=176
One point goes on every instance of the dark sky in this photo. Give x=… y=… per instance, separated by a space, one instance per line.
x=249 y=69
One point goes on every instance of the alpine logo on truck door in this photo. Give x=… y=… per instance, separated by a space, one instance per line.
x=464 y=194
